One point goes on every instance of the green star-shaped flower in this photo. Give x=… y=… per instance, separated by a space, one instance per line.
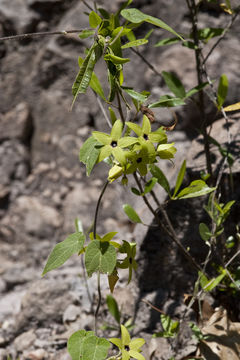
x=113 y=144
x=138 y=160
x=129 y=262
x=129 y=348
x=146 y=135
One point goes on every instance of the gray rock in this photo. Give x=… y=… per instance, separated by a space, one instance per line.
x=17 y=124
x=219 y=132
x=44 y=303
x=24 y=341
x=39 y=219
x=71 y=313
x=17 y=12
x=14 y=162
x=39 y=354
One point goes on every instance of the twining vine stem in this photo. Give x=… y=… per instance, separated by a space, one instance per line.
x=98 y=274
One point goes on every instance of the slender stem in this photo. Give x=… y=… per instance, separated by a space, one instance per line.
x=87 y=5
x=144 y=196
x=170 y=229
x=232 y=258
x=103 y=110
x=146 y=62
x=99 y=301
x=97 y=209
x=98 y=274
x=39 y=34
x=221 y=37
x=120 y=108
x=193 y=13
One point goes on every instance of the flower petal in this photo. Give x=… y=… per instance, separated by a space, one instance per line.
x=125 y=355
x=134 y=127
x=104 y=152
x=125 y=336
x=103 y=138
x=117 y=130
x=136 y=344
x=119 y=155
x=146 y=126
x=136 y=355
x=127 y=141
x=117 y=342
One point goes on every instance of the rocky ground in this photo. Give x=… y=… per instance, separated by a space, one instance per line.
x=43 y=187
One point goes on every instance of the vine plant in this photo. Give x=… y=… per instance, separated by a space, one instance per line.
x=136 y=150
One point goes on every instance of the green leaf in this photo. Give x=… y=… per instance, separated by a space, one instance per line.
x=150 y=185
x=135 y=191
x=89 y=153
x=170 y=327
x=167 y=41
x=94 y=83
x=208 y=33
x=86 y=33
x=86 y=346
x=96 y=86
x=134 y=43
x=112 y=115
x=196 y=89
x=94 y=19
x=214 y=282
x=174 y=84
x=180 y=178
x=136 y=16
x=222 y=90
x=115 y=59
x=203 y=279
x=167 y=101
x=161 y=178
x=100 y=256
x=134 y=94
x=195 y=189
x=113 y=308
x=84 y=76
x=204 y=231
x=131 y=213
x=63 y=251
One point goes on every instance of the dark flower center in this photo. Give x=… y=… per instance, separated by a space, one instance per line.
x=126 y=347
x=113 y=143
x=139 y=160
x=145 y=136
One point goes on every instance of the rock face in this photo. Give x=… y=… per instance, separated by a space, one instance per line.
x=43 y=187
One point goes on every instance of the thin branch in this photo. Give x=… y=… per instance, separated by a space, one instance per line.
x=170 y=229
x=40 y=34
x=233 y=18
x=232 y=258
x=97 y=209
x=146 y=62
x=103 y=110
x=99 y=301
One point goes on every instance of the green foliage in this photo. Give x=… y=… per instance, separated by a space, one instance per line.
x=130 y=349
x=131 y=213
x=170 y=327
x=222 y=90
x=89 y=153
x=132 y=149
x=64 y=250
x=86 y=346
x=100 y=256
x=113 y=308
